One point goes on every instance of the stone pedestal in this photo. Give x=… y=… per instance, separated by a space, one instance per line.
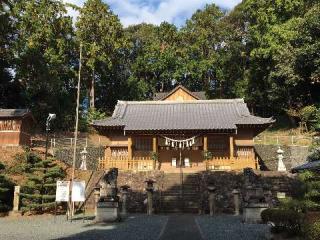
x=107 y=211
x=107 y=207
x=252 y=212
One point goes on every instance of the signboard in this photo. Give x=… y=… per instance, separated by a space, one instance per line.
x=281 y=195
x=78 y=191
x=62 y=191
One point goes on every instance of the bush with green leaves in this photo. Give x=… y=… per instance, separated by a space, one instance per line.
x=311 y=115
x=284 y=220
x=312 y=231
x=38 y=194
x=6 y=191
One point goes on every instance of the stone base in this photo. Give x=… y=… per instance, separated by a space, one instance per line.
x=107 y=212
x=252 y=214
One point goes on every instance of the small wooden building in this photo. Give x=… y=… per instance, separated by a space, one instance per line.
x=15 y=127
x=181 y=130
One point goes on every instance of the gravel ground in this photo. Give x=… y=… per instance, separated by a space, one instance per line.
x=137 y=227
x=227 y=227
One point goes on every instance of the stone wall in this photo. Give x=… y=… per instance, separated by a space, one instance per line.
x=224 y=182
x=293 y=156
x=137 y=193
x=66 y=155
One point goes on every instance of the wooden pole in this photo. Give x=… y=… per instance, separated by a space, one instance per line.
x=231 y=147
x=205 y=143
x=130 y=148
x=155 y=150
x=76 y=128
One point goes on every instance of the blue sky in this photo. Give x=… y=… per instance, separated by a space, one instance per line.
x=156 y=11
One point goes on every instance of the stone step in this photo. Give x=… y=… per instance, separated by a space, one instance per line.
x=178 y=198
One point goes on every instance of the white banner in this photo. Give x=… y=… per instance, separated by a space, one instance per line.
x=62 y=191
x=78 y=191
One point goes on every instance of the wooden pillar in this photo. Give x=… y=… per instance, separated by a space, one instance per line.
x=130 y=148
x=205 y=143
x=231 y=145
x=154 y=145
x=155 y=150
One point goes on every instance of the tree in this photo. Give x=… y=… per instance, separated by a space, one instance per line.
x=100 y=33
x=201 y=38
x=45 y=58
x=10 y=91
x=38 y=194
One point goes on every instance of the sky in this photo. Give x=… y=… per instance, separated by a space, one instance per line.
x=156 y=11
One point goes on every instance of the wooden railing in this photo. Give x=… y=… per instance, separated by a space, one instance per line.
x=124 y=163
x=226 y=163
x=147 y=164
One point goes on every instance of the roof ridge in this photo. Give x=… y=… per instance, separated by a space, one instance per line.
x=234 y=101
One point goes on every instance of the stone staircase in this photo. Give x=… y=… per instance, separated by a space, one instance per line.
x=179 y=193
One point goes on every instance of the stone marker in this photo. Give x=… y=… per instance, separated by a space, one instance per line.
x=236 y=200
x=124 y=191
x=16 y=198
x=212 y=206
x=150 y=190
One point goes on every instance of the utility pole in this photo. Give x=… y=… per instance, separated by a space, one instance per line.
x=71 y=207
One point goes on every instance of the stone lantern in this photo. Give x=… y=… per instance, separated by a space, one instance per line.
x=83 y=154
x=211 y=189
x=281 y=166
x=150 y=190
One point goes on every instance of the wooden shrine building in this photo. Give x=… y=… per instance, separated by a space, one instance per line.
x=181 y=129
x=15 y=127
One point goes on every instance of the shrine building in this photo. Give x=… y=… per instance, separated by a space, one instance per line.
x=181 y=130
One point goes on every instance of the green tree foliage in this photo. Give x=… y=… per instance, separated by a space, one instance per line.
x=265 y=51
x=6 y=191
x=154 y=59
x=202 y=40
x=44 y=58
x=38 y=194
x=101 y=35
x=11 y=94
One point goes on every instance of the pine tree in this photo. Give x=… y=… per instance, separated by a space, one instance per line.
x=38 y=194
x=311 y=184
x=6 y=191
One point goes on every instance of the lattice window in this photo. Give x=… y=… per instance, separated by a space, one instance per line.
x=218 y=144
x=143 y=144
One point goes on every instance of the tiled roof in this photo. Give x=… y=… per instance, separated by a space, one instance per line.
x=315 y=165
x=220 y=114
x=6 y=113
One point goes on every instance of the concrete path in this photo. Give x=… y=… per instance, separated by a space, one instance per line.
x=181 y=227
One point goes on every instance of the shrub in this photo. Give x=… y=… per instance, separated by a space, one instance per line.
x=312 y=231
x=38 y=194
x=6 y=191
x=284 y=220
